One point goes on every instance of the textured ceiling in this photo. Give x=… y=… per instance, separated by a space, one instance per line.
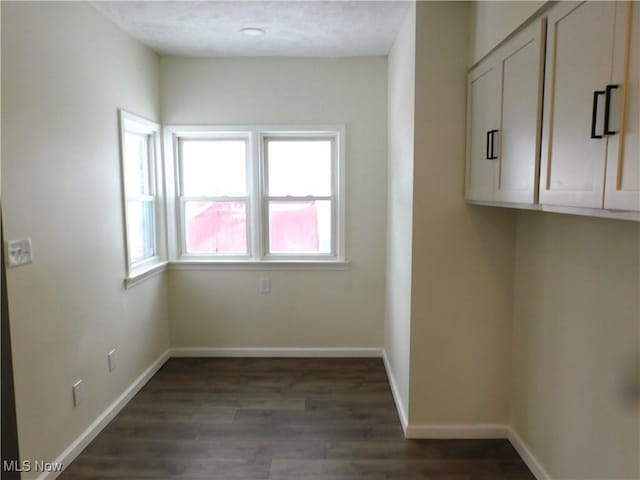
x=293 y=28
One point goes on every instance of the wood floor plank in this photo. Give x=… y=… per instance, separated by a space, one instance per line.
x=351 y=417
x=300 y=469
x=170 y=467
x=278 y=419
x=422 y=449
x=108 y=446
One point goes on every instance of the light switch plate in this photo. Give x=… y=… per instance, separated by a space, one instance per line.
x=19 y=252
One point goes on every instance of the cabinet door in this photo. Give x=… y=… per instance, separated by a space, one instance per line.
x=521 y=64
x=578 y=64
x=622 y=189
x=482 y=119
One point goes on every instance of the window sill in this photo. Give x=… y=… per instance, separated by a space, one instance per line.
x=261 y=265
x=141 y=275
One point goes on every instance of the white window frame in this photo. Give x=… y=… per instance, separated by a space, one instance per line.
x=257 y=202
x=137 y=271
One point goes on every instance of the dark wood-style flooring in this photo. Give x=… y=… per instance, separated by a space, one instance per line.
x=278 y=419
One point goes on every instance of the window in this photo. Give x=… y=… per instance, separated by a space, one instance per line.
x=254 y=194
x=299 y=195
x=139 y=147
x=214 y=195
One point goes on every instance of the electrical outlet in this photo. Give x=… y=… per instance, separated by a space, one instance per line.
x=265 y=286
x=78 y=392
x=111 y=359
x=19 y=252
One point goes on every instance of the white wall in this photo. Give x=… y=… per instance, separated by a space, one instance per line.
x=65 y=71
x=576 y=344
x=462 y=270
x=306 y=308
x=400 y=128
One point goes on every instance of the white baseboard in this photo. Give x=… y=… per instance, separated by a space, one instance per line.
x=80 y=443
x=527 y=456
x=457 y=431
x=395 y=392
x=289 y=352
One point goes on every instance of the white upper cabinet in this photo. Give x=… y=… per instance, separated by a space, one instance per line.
x=482 y=124
x=503 y=120
x=622 y=187
x=579 y=93
x=521 y=63
x=553 y=119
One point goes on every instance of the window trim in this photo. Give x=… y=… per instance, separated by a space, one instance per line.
x=135 y=271
x=256 y=184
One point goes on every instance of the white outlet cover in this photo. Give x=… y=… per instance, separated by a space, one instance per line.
x=265 y=285
x=19 y=252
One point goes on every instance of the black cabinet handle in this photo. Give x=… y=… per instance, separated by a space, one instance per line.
x=607 y=109
x=594 y=113
x=491 y=142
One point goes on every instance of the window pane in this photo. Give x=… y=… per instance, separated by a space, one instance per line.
x=299 y=167
x=216 y=227
x=214 y=168
x=140 y=224
x=300 y=227
x=136 y=163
